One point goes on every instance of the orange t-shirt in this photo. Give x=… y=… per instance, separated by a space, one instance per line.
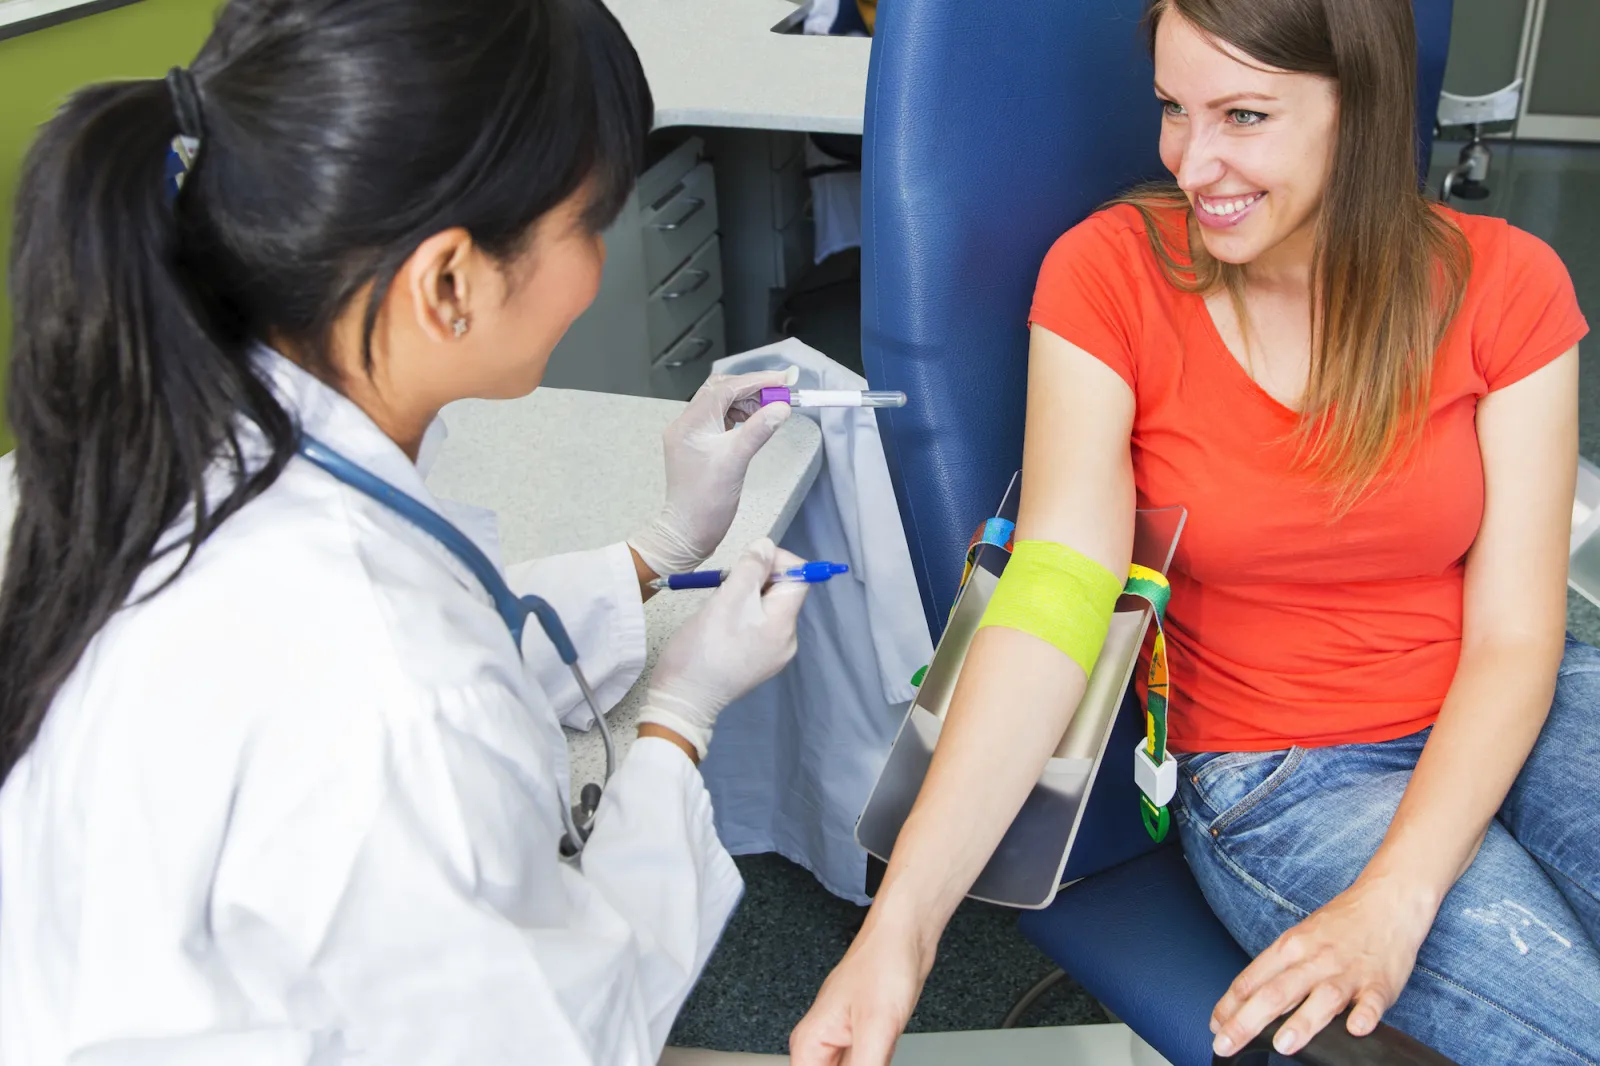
x=1286 y=625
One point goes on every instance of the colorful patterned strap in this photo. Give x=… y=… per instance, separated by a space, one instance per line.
x=1152 y=587
x=997 y=531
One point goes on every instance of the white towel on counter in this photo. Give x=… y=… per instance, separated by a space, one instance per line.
x=791 y=764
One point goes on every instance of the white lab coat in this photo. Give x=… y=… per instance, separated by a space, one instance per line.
x=301 y=808
x=792 y=764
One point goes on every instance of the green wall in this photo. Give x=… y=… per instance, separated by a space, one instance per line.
x=39 y=70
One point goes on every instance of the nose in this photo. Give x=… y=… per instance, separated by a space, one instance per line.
x=1200 y=163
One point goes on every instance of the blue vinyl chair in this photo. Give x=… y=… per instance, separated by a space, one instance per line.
x=992 y=128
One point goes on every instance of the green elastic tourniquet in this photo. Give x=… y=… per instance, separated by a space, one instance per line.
x=1059 y=595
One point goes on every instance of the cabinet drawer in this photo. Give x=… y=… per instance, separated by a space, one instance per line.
x=678 y=223
x=684 y=297
x=669 y=169
x=687 y=364
x=791 y=251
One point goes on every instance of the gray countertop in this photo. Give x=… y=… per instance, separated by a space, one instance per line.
x=567 y=470
x=718 y=63
x=18 y=17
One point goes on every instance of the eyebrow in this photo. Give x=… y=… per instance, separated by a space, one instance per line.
x=1222 y=100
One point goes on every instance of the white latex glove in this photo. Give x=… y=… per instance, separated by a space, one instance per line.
x=740 y=638
x=708 y=450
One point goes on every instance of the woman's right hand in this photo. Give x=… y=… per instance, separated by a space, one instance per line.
x=865 y=1003
x=740 y=638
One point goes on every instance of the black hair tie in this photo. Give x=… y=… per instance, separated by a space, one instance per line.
x=186 y=103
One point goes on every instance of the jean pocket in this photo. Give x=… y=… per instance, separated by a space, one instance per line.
x=1232 y=783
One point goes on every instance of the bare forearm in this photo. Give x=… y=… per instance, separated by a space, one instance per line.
x=1017 y=694
x=1490 y=720
x=1011 y=707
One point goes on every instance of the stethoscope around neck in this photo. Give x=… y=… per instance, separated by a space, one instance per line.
x=514 y=610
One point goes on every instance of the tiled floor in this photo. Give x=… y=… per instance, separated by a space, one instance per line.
x=790 y=932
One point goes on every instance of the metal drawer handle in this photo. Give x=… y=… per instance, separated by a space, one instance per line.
x=695 y=206
x=705 y=347
x=699 y=283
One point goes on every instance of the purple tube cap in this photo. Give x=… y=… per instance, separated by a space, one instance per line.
x=776 y=394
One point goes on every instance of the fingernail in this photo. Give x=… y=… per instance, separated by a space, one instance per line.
x=1284 y=1041
x=791 y=377
x=1222 y=1045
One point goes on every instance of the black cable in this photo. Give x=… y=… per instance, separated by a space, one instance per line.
x=1030 y=997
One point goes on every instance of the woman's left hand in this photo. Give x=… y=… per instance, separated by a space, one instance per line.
x=1360 y=948
x=708 y=450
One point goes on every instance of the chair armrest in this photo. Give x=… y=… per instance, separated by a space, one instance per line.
x=1334 y=1046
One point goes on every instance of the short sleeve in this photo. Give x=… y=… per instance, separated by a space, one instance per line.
x=1539 y=318
x=1086 y=295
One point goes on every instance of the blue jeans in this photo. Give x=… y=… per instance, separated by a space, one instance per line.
x=1510 y=972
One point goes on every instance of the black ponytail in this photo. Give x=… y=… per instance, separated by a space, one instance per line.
x=338 y=135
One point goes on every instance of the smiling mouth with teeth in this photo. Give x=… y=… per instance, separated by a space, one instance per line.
x=1222 y=208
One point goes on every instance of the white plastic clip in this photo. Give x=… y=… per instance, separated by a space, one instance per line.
x=1159 y=783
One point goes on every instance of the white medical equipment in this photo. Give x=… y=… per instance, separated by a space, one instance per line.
x=1466 y=179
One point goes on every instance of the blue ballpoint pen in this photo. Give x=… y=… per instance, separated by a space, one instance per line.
x=805 y=574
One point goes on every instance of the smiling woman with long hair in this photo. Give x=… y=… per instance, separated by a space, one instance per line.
x=1368 y=404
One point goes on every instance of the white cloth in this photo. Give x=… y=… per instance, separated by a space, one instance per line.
x=820 y=17
x=835 y=198
x=301 y=807
x=835 y=205
x=792 y=763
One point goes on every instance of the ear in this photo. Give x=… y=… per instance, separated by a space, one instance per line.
x=438 y=278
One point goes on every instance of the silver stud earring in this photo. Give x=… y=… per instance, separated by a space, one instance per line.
x=460 y=326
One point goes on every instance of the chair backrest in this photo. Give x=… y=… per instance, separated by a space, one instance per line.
x=991 y=129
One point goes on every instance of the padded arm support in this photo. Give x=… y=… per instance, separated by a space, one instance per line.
x=991 y=129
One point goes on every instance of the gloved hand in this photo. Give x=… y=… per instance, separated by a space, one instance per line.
x=739 y=639
x=708 y=450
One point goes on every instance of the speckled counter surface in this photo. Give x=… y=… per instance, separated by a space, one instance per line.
x=568 y=470
x=718 y=63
